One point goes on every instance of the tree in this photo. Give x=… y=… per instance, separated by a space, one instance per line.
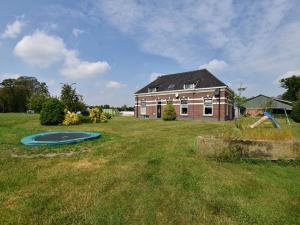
x=15 y=93
x=36 y=102
x=296 y=112
x=292 y=84
x=169 y=112
x=71 y=99
x=238 y=99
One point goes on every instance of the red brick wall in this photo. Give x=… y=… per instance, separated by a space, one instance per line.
x=195 y=105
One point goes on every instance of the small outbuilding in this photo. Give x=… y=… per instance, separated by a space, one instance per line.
x=257 y=105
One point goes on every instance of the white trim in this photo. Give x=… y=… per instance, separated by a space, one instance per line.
x=187 y=107
x=212 y=108
x=192 y=103
x=212 y=89
x=143 y=110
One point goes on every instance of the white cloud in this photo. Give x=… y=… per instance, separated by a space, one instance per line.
x=214 y=65
x=40 y=49
x=77 y=69
x=43 y=50
x=76 y=32
x=115 y=84
x=154 y=75
x=13 y=29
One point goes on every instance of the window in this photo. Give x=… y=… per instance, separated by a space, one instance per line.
x=171 y=86
x=143 y=108
x=208 y=110
x=184 y=107
x=189 y=86
x=152 y=89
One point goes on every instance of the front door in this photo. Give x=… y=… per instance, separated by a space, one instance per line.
x=158 y=109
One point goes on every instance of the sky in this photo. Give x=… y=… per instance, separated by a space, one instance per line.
x=112 y=48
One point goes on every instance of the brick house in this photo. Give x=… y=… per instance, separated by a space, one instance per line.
x=194 y=95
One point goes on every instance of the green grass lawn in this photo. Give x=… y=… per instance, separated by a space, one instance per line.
x=139 y=172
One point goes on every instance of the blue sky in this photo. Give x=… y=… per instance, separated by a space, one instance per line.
x=112 y=48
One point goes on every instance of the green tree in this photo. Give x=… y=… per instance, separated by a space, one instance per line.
x=169 y=112
x=238 y=99
x=36 y=102
x=296 y=112
x=292 y=86
x=71 y=99
x=15 y=93
x=52 y=112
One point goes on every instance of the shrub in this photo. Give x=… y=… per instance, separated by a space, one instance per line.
x=36 y=102
x=95 y=115
x=296 y=112
x=52 y=112
x=169 y=112
x=85 y=119
x=108 y=115
x=103 y=118
x=71 y=119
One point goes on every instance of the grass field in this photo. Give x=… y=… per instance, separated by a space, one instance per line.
x=141 y=172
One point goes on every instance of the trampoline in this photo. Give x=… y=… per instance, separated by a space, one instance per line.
x=59 y=137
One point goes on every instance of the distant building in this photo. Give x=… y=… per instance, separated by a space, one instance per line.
x=194 y=95
x=257 y=105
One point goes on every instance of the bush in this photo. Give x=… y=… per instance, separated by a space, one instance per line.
x=108 y=115
x=71 y=119
x=85 y=119
x=36 y=102
x=103 y=118
x=95 y=115
x=52 y=112
x=296 y=112
x=169 y=112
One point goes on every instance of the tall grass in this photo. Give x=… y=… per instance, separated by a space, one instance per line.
x=239 y=129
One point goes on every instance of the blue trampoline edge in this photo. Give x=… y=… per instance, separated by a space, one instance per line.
x=30 y=140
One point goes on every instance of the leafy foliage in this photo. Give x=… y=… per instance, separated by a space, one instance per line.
x=292 y=84
x=71 y=119
x=296 y=112
x=71 y=99
x=36 y=102
x=52 y=112
x=103 y=118
x=108 y=115
x=15 y=93
x=169 y=112
x=95 y=114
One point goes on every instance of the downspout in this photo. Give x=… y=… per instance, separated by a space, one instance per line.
x=219 y=104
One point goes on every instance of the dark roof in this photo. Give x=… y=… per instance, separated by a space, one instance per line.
x=262 y=101
x=201 y=78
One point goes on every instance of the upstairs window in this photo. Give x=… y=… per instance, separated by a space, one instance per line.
x=189 y=86
x=152 y=90
x=171 y=86
x=208 y=107
x=184 y=107
x=143 y=108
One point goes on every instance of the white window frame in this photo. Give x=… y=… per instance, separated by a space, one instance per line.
x=204 y=106
x=143 y=108
x=189 y=86
x=184 y=106
x=150 y=90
